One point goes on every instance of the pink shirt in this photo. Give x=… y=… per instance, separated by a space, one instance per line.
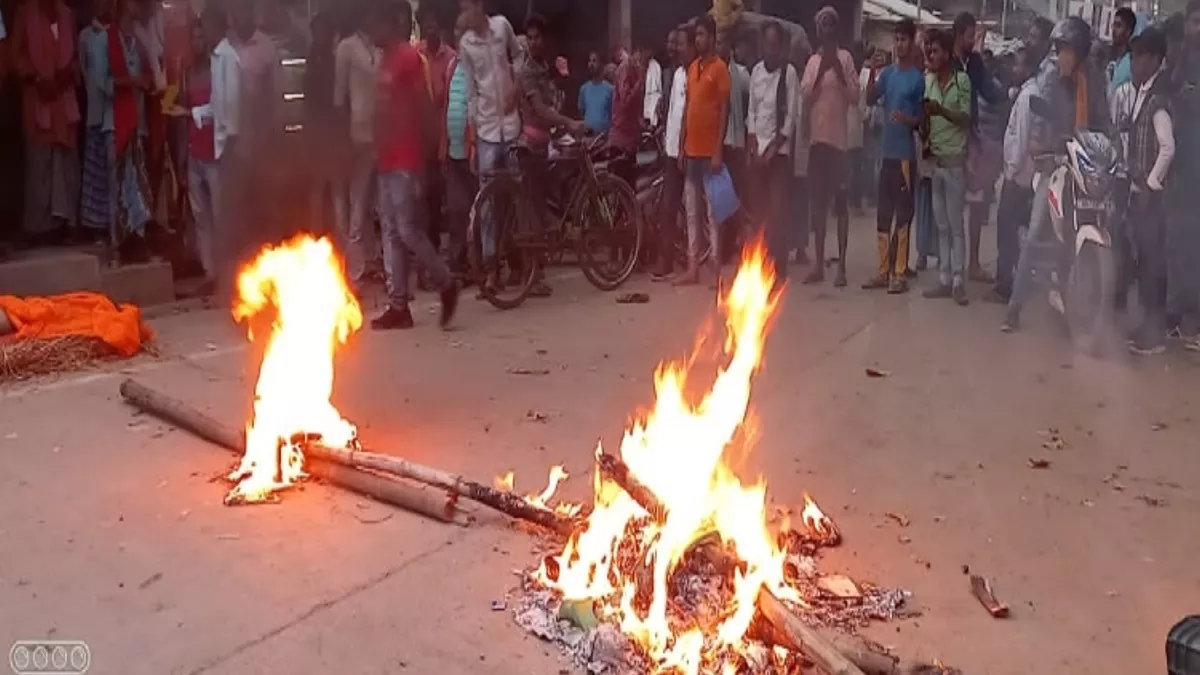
x=831 y=102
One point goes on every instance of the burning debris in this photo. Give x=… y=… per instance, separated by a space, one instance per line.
x=674 y=568
x=700 y=589
x=676 y=550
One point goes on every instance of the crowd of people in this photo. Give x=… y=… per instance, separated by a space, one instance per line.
x=408 y=130
x=941 y=134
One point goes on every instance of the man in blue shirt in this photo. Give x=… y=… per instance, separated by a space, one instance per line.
x=596 y=97
x=899 y=89
x=1124 y=29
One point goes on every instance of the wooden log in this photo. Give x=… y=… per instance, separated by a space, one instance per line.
x=811 y=644
x=824 y=653
x=615 y=469
x=506 y=502
x=429 y=503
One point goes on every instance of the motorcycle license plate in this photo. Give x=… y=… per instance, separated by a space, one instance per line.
x=1090 y=204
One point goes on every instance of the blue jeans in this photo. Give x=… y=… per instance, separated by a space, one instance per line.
x=949 y=200
x=1033 y=250
x=492 y=157
x=401 y=207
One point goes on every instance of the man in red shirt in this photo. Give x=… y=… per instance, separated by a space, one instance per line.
x=405 y=136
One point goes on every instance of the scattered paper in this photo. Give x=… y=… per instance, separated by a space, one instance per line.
x=153 y=579
x=633 y=299
x=981 y=588
x=1039 y=463
x=900 y=518
x=876 y=373
x=1054 y=439
x=839 y=586
x=528 y=371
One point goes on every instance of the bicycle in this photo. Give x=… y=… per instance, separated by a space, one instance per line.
x=590 y=212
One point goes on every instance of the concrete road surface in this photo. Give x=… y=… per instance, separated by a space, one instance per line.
x=112 y=528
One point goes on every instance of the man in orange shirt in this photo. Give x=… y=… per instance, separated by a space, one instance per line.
x=705 y=117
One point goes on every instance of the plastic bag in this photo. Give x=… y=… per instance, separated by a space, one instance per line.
x=722 y=198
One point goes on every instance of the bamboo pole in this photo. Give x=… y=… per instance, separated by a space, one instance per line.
x=429 y=503
x=812 y=645
x=506 y=502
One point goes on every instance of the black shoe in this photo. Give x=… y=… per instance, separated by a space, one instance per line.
x=393 y=319
x=449 y=304
x=540 y=290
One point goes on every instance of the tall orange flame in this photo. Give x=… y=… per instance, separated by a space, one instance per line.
x=300 y=288
x=678 y=452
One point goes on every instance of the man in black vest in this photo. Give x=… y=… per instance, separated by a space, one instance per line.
x=1151 y=149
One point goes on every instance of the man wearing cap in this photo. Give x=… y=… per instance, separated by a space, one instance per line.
x=830 y=88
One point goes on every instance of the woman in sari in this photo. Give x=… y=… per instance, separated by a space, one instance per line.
x=48 y=67
x=129 y=80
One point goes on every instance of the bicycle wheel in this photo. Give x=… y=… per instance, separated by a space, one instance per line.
x=610 y=234
x=500 y=215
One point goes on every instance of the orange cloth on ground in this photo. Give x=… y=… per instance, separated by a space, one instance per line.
x=83 y=314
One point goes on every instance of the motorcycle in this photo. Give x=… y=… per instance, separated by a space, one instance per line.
x=1082 y=174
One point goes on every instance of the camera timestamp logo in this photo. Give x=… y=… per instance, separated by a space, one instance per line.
x=50 y=657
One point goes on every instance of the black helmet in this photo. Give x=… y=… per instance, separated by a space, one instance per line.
x=1075 y=33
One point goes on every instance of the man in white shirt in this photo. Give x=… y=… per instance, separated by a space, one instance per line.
x=489 y=51
x=672 y=195
x=356 y=77
x=770 y=124
x=246 y=100
x=654 y=85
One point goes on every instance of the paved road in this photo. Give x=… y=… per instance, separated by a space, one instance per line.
x=112 y=528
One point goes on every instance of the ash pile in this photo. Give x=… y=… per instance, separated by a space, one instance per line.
x=701 y=594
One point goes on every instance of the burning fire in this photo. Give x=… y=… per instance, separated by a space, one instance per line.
x=300 y=289
x=680 y=452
